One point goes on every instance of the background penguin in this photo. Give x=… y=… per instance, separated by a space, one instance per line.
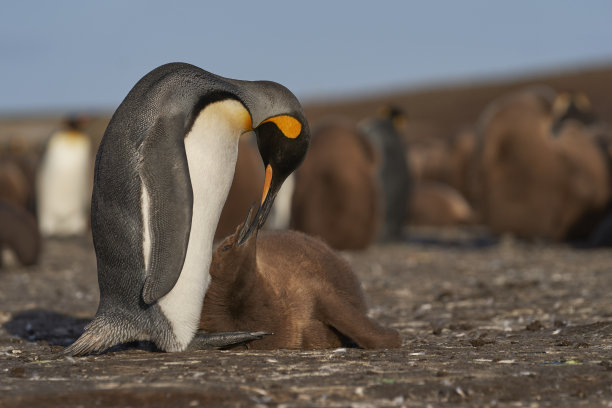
x=19 y=233
x=294 y=286
x=537 y=183
x=64 y=182
x=461 y=168
x=598 y=224
x=394 y=180
x=336 y=188
x=571 y=106
x=576 y=126
x=438 y=204
x=18 y=165
x=163 y=171
x=14 y=185
x=450 y=160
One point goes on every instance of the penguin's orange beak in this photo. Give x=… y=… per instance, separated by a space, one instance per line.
x=272 y=185
x=267 y=182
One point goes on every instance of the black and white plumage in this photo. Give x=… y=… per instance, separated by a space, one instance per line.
x=163 y=172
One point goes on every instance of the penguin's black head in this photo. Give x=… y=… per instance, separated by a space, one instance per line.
x=396 y=115
x=282 y=140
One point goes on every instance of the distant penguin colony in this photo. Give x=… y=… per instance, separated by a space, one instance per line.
x=336 y=188
x=63 y=182
x=383 y=132
x=163 y=171
x=294 y=286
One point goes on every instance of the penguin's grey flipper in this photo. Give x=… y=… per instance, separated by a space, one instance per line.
x=165 y=175
x=210 y=341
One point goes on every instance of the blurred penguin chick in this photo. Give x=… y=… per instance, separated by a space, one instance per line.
x=537 y=183
x=19 y=233
x=14 y=185
x=438 y=204
x=336 y=188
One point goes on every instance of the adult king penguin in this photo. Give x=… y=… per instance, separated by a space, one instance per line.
x=163 y=171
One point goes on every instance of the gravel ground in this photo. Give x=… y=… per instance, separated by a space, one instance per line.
x=485 y=323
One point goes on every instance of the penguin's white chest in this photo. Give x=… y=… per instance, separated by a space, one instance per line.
x=212 y=150
x=64 y=185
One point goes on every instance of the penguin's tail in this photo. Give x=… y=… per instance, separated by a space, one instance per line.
x=99 y=335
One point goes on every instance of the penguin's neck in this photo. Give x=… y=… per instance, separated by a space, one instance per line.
x=212 y=149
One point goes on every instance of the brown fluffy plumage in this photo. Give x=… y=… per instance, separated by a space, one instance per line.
x=294 y=286
x=536 y=183
x=14 y=186
x=438 y=204
x=336 y=190
x=19 y=233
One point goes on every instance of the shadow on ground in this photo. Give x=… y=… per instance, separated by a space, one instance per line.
x=37 y=325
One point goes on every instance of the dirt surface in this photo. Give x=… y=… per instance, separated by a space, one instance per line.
x=485 y=323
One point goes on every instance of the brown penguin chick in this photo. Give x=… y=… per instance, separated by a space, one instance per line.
x=536 y=184
x=19 y=233
x=246 y=187
x=336 y=188
x=293 y=286
x=25 y=156
x=427 y=159
x=14 y=185
x=438 y=204
x=461 y=164
x=451 y=161
x=588 y=190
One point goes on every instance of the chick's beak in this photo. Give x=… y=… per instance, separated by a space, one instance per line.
x=271 y=187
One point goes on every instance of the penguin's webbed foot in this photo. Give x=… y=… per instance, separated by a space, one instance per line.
x=220 y=340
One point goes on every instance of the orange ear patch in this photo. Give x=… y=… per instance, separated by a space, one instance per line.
x=289 y=125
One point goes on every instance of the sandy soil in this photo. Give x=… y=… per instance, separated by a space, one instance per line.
x=485 y=323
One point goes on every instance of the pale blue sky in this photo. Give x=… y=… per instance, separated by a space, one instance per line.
x=69 y=55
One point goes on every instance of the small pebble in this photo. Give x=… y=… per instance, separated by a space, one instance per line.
x=17 y=372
